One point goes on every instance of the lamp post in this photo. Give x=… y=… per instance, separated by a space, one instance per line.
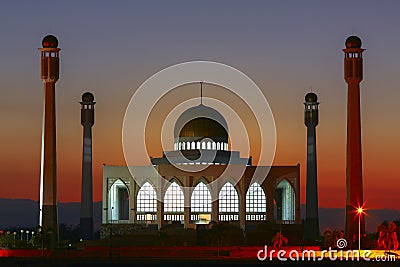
x=22 y=233
x=360 y=211
x=14 y=233
x=27 y=236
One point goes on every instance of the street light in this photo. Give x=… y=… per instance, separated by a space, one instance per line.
x=22 y=233
x=14 y=233
x=360 y=211
x=27 y=235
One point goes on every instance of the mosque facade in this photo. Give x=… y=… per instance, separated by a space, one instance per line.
x=200 y=182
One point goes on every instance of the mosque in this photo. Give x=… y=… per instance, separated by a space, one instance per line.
x=215 y=185
x=201 y=181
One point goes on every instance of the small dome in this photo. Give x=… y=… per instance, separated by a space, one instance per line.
x=311 y=97
x=353 y=42
x=201 y=122
x=87 y=97
x=50 y=41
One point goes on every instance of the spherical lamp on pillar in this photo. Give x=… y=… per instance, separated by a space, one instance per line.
x=353 y=75
x=311 y=227
x=87 y=121
x=48 y=217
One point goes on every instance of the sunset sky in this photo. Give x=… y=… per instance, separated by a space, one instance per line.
x=286 y=47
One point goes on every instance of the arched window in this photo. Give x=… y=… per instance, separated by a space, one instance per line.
x=228 y=199
x=203 y=145
x=255 y=199
x=208 y=145
x=183 y=145
x=147 y=199
x=213 y=146
x=193 y=145
x=174 y=199
x=201 y=199
x=188 y=146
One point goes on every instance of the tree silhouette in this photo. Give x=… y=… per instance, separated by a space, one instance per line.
x=278 y=240
x=331 y=237
x=387 y=236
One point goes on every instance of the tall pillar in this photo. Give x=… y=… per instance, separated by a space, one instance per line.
x=133 y=202
x=242 y=205
x=160 y=214
x=311 y=228
x=215 y=211
x=353 y=75
x=186 y=217
x=87 y=121
x=48 y=217
x=269 y=190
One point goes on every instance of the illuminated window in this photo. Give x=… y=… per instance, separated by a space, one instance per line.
x=174 y=199
x=201 y=199
x=228 y=199
x=147 y=199
x=208 y=145
x=255 y=199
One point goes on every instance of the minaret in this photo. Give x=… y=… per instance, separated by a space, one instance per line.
x=48 y=218
x=311 y=227
x=353 y=74
x=87 y=121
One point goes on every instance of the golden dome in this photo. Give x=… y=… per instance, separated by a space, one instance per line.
x=201 y=122
x=204 y=128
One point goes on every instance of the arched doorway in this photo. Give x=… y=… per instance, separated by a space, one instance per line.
x=118 y=208
x=284 y=203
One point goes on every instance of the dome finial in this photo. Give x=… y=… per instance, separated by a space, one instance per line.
x=311 y=97
x=87 y=97
x=49 y=41
x=353 y=42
